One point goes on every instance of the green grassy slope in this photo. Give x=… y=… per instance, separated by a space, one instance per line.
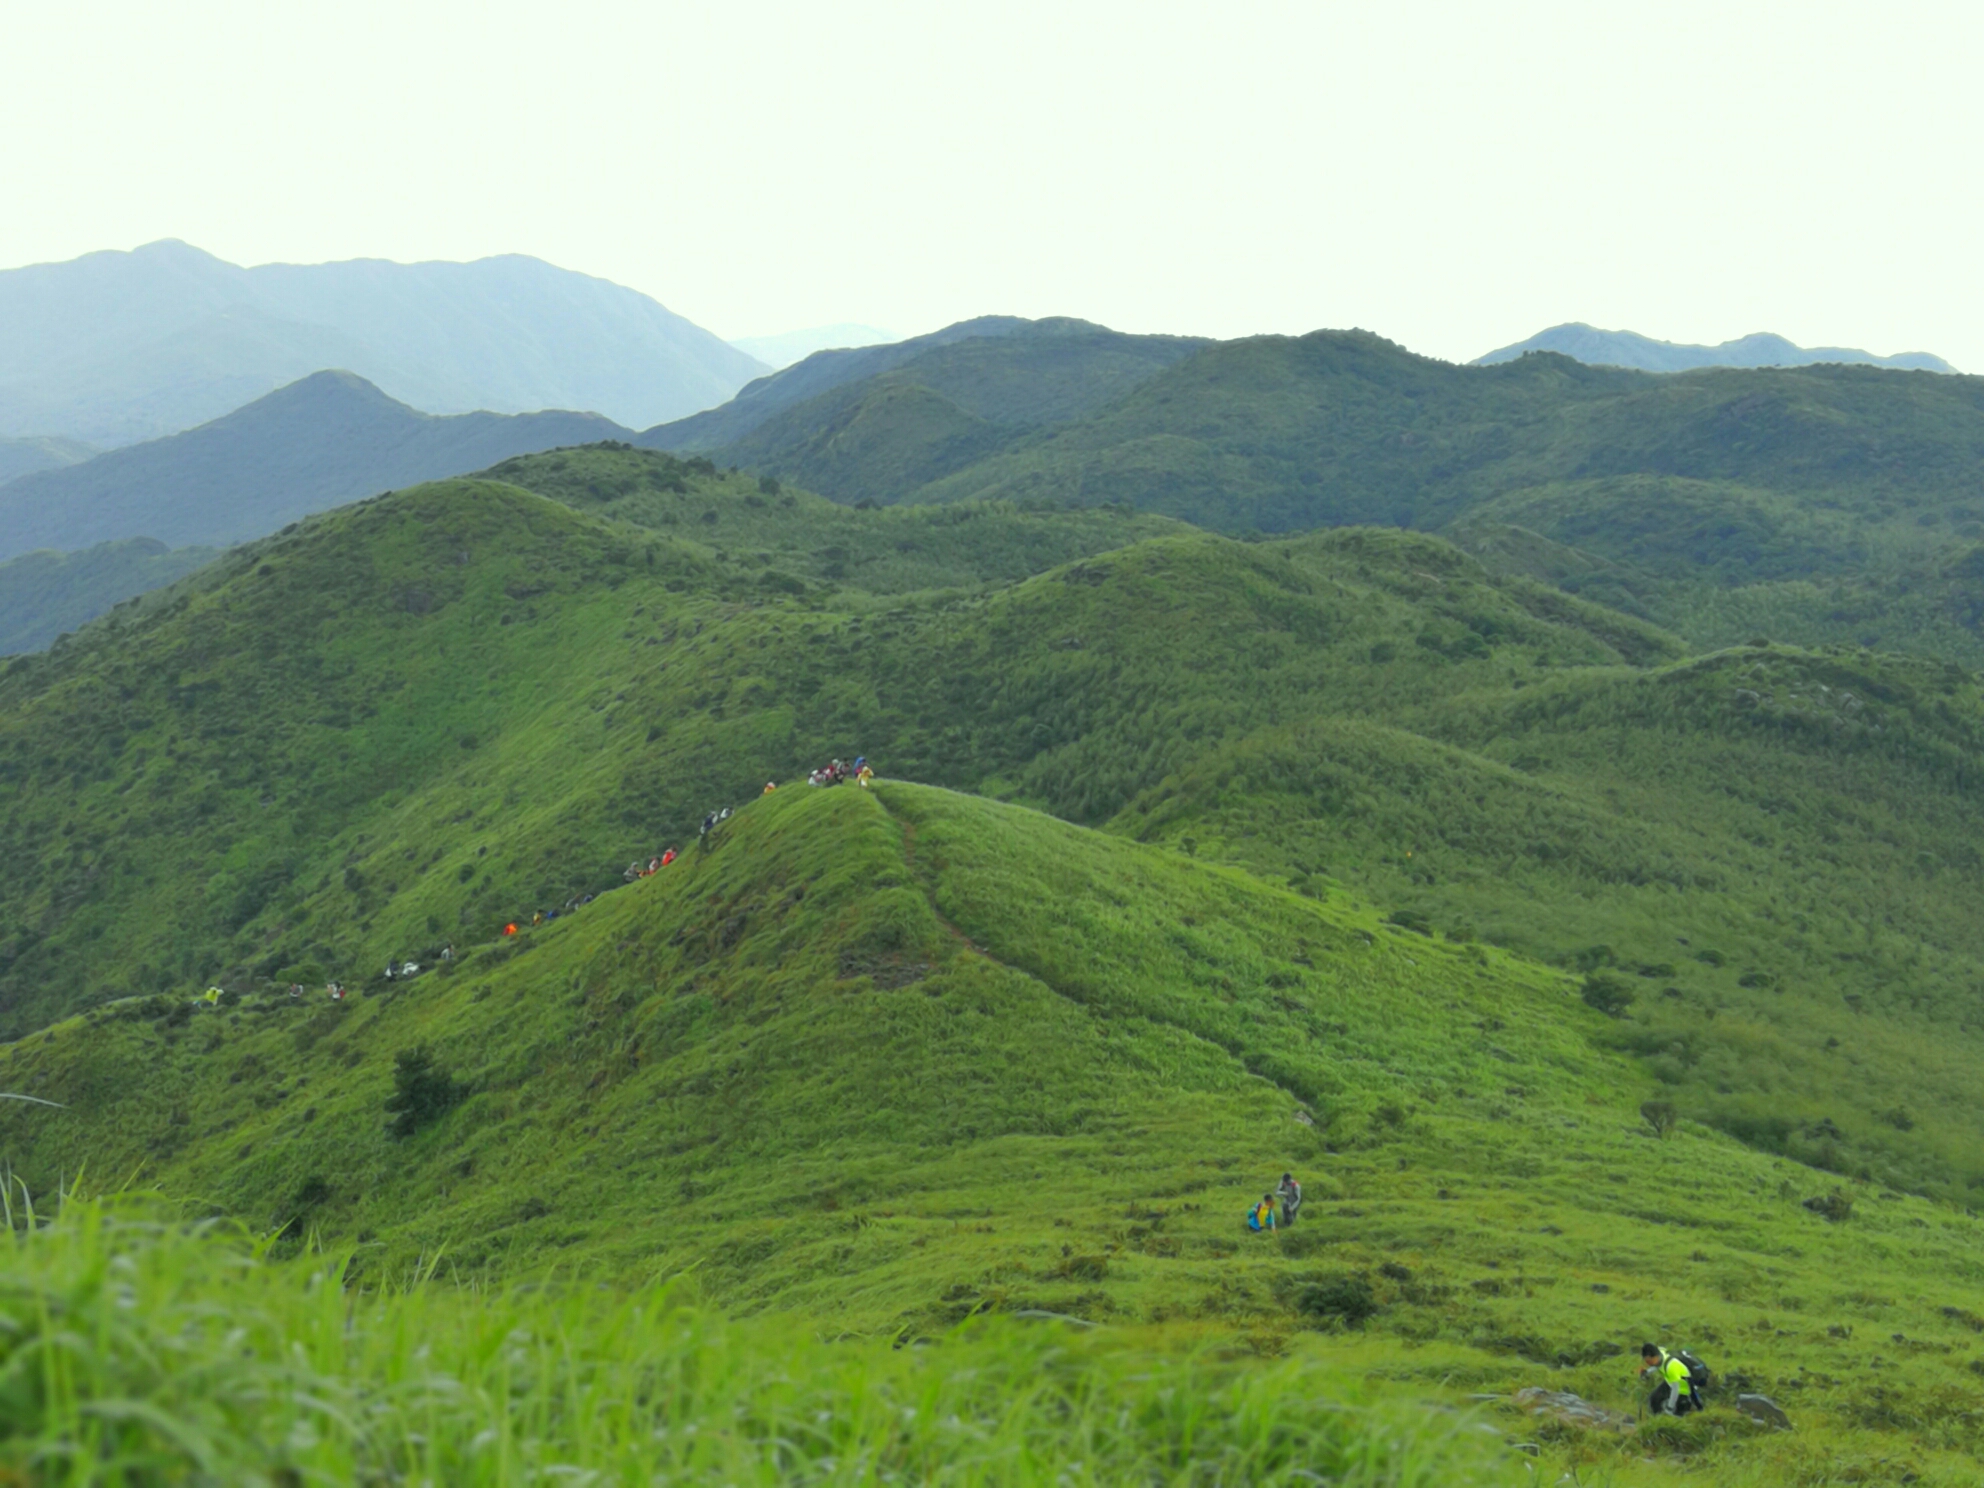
x=1721 y=497
x=210 y=1361
x=998 y=368
x=951 y=406
x=1800 y=976
x=329 y=438
x=43 y=595
x=886 y=1059
x=1719 y=562
x=1336 y=427
x=408 y=722
x=760 y=526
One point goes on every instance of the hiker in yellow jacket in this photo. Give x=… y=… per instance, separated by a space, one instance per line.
x=1673 y=1390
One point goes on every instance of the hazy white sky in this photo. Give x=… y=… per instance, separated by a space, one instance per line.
x=1452 y=176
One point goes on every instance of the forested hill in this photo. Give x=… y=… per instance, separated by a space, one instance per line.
x=45 y=594
x=821 y=372
x=1288 y=433
x=923 y=407
x=1820 y=504
x=409 y=720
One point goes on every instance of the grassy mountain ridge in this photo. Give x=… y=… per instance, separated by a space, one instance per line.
x=1717 y=495
x=883 y=1060
x=1056 y=368
x=490 y=701
x=767 y=396
x=1626 y=827
x=1722 y=562
x=1337 y=427
x=950 y=406
x=761 y=525
x=1416 y=878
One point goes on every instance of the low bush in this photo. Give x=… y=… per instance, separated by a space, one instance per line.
x=422 y=1091
x=1343 y=1300
x=1608 y=994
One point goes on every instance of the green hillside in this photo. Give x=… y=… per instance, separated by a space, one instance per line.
x=330 y=438
x=889 y=1059
x=778 y=534
x=1371 y=862
x=1821 y=504
x=1284 y=433
x=410 y=721
x=951 y=406
x=45 y=594
x=213 y=1361
x=999 y=369
x=1721 y=562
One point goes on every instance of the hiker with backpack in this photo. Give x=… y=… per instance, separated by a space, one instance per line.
x=1261 y=1218
x=1680 y=1380
x=1290 y=1194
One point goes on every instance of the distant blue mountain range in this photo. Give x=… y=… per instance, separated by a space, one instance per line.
x=117 y=348
x=1629 y=349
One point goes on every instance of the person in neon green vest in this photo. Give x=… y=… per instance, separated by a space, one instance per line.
x=1673 y=1391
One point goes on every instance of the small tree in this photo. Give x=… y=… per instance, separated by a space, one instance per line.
x=1341 y=1300
x=1660 y=1115
x=1608 y=994
x=422 y=1091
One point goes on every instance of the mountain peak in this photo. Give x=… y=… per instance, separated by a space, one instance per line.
x=118 y=347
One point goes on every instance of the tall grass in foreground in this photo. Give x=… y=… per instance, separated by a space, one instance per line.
x=135 y=1349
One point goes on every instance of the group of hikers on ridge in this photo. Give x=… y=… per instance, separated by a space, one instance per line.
x=399 y=969
x=1263 y=1218
x=836 y=771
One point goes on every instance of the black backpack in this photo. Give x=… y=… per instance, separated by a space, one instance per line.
x=1698 y=1374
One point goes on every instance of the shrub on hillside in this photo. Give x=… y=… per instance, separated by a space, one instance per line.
x=1608 y=994
x=1660 y=1115
x=1835 y=1206
x=1593 y=957
x=422 y=1091
x=1344 y=1300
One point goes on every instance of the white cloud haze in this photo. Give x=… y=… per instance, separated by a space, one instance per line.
x=1453 y=176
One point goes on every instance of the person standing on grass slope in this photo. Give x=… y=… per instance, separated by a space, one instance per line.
x=1290 y=1193
x=1261 y=1218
